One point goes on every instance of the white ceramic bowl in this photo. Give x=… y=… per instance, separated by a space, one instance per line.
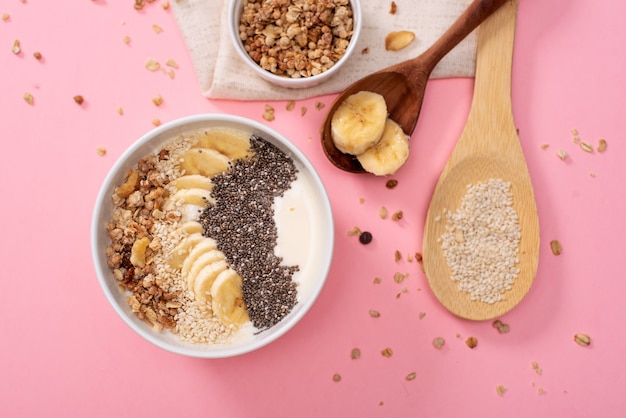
x=318 y=259
x=234 y=12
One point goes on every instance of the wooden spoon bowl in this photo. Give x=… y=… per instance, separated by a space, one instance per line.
x=488 y=148
x=403 y=85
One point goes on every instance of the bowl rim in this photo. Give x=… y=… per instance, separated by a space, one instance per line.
x=302 y=82
x=96 y=228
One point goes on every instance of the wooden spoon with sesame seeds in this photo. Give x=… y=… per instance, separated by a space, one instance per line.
x=487 y=149
x=403 y=85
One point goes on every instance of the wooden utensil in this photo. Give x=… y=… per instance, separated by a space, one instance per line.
x=488 y=148
x=403 y=85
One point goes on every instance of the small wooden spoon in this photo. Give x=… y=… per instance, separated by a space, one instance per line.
x=403 y=84
x=488 y=148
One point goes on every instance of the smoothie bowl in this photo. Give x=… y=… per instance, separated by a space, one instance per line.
x=212 y=236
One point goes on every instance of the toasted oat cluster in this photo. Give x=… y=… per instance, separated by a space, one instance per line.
x=296 y=38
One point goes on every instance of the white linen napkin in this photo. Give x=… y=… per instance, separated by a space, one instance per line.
x=221 y=74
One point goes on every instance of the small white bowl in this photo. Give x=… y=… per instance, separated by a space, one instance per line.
x=318 y=258
x=234 y=13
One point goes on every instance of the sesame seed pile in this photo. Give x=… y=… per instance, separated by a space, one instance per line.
x=242 y=223
x=481 y=242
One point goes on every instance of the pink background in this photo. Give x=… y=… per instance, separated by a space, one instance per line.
x=64 y=351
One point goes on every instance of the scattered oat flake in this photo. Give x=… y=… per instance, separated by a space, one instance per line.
x=127 y=39
x=5 y=16
x=28 y=98
x=556 y=247
x=387 y=352
x=411 y=376
x=152 y=65
x=378 y=280
x=291 y=104
x=355 y=354
x=601 y=145
x=79 y=99
x=319 y=105
x=421 y=315
x=354 y=231
x=582 y=339
x=158 y=100
x=438 y=343
x=393 y=8
x=500 y=390
x=399 y=277
x=500 y=326
x=170 y=73
x=398 y=256
x=592 y=174
x=171 y=63
x=17 y=47
x=157 y=28
x=562 y=154
x=536 y=368
x=165 y=5
x=541 y=391
x=101 y=151
x=336 y=377
x=544 y=146
x=156 y=122
x=374 y=313
x=382 y=212
x=303 y=110
x=269 y=113
x=586 y=147
x=120 y=111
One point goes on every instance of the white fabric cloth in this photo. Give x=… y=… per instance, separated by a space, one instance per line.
x=221 y=74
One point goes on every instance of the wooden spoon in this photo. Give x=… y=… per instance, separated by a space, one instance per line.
x=488 y=148
x=403 y=84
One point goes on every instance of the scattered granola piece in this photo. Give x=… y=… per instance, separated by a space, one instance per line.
x=303 y=110
x=170 y=73
x=541 y=391
x=365 y=51
x=319 y=105
x=158 y=100
x=28 y=98
x=544 y=146
x=354 y=231
x=165 y=5
x=355 y=354
x=126 y=39
x=399 y=277
x=387 y=352
x=421 y=315
x=101 y=151
x=378 y=280
x=438 y=343
x=536 y=368
x=556 y=247
x=6 y=16
x=561 y=154
x=582 y=339
x=382 y=212
x=592 y=174
x=586 y=147
x=397 y=216
x=120 y=111
x=418 y=257
x=601 y=145
x=575 y=136
x=79 y=99
x=471 y=342
x=171 y=63
x=396 y=41
x=37 y=55
x=139 y=4
x=411 y=376
x=374 y=313
x=156 y=122
x=393 y=8
x=398 y=256
x=500 y=390
x=291 y=104
x=152 y=65
x=17 y=47
x=269 y=113
x=157 y=28
x=336 y=377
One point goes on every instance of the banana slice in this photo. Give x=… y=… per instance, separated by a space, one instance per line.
x=227 y=299
x=200 y=263
x=181 y=251
x=359 y=122
x=191 y=227
x=233 y=143
x=196 y=197
x=205 y=161
x=193 y=181
x=203 y=282
x=389 y=154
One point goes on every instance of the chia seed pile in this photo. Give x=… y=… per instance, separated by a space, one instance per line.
x=242 y=223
